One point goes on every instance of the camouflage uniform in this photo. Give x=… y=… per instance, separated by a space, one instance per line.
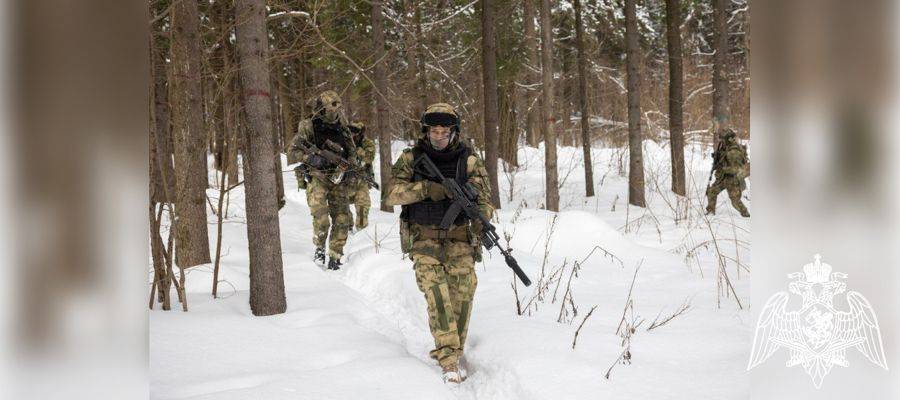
x=365 y=152
x=444 y=260
x=328 y=197
x=731 y=167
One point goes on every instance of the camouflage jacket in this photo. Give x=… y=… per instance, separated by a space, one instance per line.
x=365 y=151
x=404 y=191
x=732 y=162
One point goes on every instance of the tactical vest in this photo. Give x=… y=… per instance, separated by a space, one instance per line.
x=324 y=131
x=427 y=212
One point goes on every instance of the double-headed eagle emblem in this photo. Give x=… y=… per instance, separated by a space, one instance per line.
x=817 y=335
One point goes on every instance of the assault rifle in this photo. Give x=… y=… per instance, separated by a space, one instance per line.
x=462 y=197
x=331 y=153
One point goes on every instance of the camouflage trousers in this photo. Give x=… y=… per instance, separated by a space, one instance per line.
x=734 y=188
x=329 y=206
x=363 y=202
x=445 y=273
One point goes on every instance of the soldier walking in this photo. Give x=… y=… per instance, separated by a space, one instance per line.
x=365 y=153
x=327 y=194
x=731 y=166
x=444 y=259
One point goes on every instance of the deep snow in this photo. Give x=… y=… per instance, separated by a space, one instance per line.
x=361 y=332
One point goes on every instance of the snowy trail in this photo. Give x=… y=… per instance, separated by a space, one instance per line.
x=362 y=332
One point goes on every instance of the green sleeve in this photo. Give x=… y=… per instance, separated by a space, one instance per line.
x=304 y=132
x=478 y=178
x=403 y=190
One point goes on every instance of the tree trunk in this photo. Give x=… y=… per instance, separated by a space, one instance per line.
x=552 y=181
x=721 y=114
x=531 y=101
x=266 y=276
x=583 y=102
x=381 y=114
x=421 y=75
x=509 y=128
x=162 y=175
x=491 y=107
x=191 y=237
x=676 y=95
x=635 y=137
x=286 y=105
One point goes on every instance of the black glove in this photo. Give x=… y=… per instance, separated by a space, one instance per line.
x=316 y=161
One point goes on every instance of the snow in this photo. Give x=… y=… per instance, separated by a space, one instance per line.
x=361 y=332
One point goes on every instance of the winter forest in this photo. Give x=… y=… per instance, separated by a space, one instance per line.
x=597 y=122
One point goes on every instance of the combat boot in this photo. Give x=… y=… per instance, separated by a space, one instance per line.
x=451 y=373
x=334 y=264
x=319 y=257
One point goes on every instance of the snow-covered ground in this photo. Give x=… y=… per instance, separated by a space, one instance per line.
x=361 y=332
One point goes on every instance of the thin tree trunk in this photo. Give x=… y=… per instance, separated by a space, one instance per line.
x=381 y=114
x=583 y=102
x=162 y=174
x=491 y=106
x=191 y=237
x=552 y=180
x=220 y=217
x=509 y=129
x=422 y=75
x=635 y=137
x=286 y=105
x=266 y=276
x=676 y=95
x=533 y=126
x=721 y=114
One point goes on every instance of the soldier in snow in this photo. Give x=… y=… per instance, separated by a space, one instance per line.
x=731 y=167
x=444 y=259
x=326 y=192
x=365 y=153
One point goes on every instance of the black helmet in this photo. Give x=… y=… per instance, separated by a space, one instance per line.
x=440 y=114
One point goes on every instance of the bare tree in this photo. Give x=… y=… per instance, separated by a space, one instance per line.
x=266 y=275
x=552 y=181
x=491 y=107
x=635 y=137
x=583 y=101
x=676 y=95
x=721 y=115
x=381 y=106
x=529 y=100
x=191 y=237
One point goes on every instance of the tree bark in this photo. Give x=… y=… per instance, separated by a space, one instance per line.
x=161 y=170
x=533 y=126
x=676 y=95
x=583 y=102
x=721 y=114
x=381 y=114
x=491 y=106
x=552 y=180
x=421 y=73
x=191 y=237
x=635 y=137
x=266 y=276
x=509 y=127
